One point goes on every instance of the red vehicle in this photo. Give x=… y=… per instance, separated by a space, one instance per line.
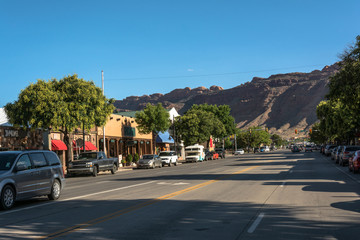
x=212 y=155
x=354 y=162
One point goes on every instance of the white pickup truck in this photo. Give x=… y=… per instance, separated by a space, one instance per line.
x=168 y=158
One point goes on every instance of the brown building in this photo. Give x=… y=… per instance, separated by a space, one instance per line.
x=123 y=138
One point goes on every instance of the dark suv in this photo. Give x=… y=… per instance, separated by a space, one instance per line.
x=221 y=152
x=26 y=174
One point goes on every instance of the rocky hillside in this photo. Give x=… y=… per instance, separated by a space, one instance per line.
x=282 y=102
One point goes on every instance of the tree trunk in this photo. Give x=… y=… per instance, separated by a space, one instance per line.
x=155 y=136
x=68 y=142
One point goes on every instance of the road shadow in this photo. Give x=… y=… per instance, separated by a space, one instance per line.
x=172 y=219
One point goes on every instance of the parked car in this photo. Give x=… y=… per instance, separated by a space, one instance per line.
x=93 y=163
x=273 y=148
x=295 y=149
x=265 y=149
x=149 y=161
x=308 y=148
x=333 y=153
x=221 y=152
x=211 y=155
x=337 y=153
x=239 y=152
x=327 y=149
x=354 y=162
x=168 y=158
x=27 y=174
x=346 y=153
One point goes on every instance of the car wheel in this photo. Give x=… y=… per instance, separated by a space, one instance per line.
x=114 y=169
x=95 y=171
x=7 y=197
x=55 y=190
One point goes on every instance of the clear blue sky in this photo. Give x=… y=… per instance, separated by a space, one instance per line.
x=140 y=43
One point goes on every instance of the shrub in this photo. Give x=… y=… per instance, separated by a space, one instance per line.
x=123 y=161
x=136 y=158
x=129 y=158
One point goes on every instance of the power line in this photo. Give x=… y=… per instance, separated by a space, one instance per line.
x=209 y=75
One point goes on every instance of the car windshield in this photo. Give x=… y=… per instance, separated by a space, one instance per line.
x=148 y=156
x=193 y=154
x=83 y=156
x=163 y=154
x=7 y=160
x=352 y=149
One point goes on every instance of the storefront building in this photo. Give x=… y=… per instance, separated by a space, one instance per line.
x=123 y=138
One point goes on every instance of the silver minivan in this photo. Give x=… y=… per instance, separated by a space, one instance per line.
x=26 y=174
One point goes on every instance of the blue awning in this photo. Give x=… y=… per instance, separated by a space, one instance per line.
x=164 y=138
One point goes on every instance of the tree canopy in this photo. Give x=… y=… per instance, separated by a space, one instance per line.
x=64 y=105
x=203 y=121
x=252 y=137
x=153 y=119
x=196 y=126
x=339 y=115
x=222 y=113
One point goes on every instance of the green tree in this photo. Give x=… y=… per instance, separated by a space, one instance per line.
x=255 y=137
x=317 y=136
x=153 y=119
x=336 y=122
x=196 y=126
x=63 y=105
x=343 y=98
x=228 y=143
x=222 y=113
x=277 y=140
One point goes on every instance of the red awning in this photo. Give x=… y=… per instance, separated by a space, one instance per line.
x=58 y=145
x=88 y=146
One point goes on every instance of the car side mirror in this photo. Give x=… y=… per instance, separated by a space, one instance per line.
x=20 y=167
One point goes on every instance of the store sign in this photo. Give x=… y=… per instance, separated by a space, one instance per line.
x=11 y=133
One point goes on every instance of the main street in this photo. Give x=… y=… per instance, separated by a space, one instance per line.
x=277 y=195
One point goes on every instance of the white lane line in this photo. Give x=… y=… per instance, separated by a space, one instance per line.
x=348 y=175
x=283 y=184
x=256 y=223
x=74 y=198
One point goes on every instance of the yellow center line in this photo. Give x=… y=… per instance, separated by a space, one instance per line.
x=135 y=207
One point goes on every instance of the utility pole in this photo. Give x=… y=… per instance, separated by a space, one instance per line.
x=235 y=137
x=84 y=137
x=174 y=134
x=102 y=82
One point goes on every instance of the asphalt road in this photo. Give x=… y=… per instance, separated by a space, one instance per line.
x=277 y=195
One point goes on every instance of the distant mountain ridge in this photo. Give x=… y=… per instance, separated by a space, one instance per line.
x=282 y=102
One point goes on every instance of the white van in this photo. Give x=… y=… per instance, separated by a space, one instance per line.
x=194 y=153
